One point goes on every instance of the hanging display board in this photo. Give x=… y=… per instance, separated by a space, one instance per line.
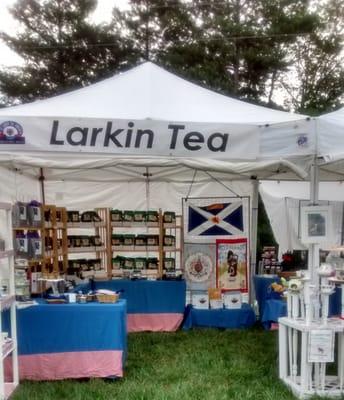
x=232 y=264
x=209 y=219
x=200 y=266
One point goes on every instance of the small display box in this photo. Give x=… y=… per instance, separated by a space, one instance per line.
x=152 y=240
x=74 y=241
x=232 y=300
x=139 y=216
x=169 y=217
x=140 y=263
x=169 y=264
x=152 y=263
x=169 y=241
x=73 y=216
x=96 y=241
x=117 y=240
x=215 y=298
x=141 y=240
x=85 y=241
x=128 y=216
x=118 y=262
x=129 y=263
x=19 y=214
x=128 y=240
x=152 y=216
x=116 y=216
x=200 y=300
x=34 y=213
x=90 y=216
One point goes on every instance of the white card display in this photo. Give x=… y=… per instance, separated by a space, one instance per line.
x=232 y=300
x=321 y=346
x=200 y=301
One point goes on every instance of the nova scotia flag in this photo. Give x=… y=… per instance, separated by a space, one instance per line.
x=218 y=219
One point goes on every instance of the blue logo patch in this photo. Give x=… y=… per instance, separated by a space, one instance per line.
x=11 y=133
x=302 y=141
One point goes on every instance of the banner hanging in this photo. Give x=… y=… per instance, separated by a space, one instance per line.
x=130 y=137
x=208 y=219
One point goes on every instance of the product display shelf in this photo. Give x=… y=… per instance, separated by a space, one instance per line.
x=175 y=229
x=55 y=239
x=137 y=226
x=100 y=229
x=161 y=228
x=34 y=265
x=8 y=342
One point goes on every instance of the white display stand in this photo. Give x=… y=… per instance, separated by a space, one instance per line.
x=7 y=301
x=298 y=352
x=310 y=341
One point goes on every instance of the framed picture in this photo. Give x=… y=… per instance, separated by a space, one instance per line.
x=316 y=224
x=199 y=266
x=232 y=264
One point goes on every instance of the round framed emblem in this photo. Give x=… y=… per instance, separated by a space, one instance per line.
x=198 y=267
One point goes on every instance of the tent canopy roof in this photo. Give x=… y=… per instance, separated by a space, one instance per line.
x=150 y=92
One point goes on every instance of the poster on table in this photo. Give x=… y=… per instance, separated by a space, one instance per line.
x=200 y=263
x=212 y=218
x=232 y=264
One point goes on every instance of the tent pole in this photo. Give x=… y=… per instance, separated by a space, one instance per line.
x=41 y=179
x=313 y=253
x=254 y=230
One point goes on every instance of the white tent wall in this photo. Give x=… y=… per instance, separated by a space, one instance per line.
x=282 y=201
x=17 y=186
x=133 y=195
x=14 y=187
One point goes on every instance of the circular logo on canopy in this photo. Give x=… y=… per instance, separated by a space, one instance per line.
x=198 y=267
x=11 y=132
x=302 y=141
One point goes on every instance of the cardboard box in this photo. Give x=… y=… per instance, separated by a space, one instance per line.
x=232 y=300
x=200 y=301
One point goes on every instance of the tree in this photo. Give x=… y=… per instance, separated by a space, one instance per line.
x=316 y=82
x=60 y=47
x=237 y=47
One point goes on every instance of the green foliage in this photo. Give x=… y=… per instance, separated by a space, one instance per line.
x=60 y=48
x=265 y=236
x=256 y=50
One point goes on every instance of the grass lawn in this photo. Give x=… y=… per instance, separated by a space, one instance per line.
x=195 y=365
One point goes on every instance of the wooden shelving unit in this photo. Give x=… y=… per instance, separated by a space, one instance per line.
x=161 y=227
x=54 y=233
x=9 y=345
x=100 y=229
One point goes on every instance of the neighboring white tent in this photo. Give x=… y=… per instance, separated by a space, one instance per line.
x=330 y=132
x=282 y=201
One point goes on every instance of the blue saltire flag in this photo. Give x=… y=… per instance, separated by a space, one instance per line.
x=218 y=219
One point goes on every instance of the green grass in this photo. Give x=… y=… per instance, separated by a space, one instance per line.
x=194 y=365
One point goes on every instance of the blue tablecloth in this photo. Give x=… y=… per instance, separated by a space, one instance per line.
x=65 y=341
x=221 y=318
x=145 y=296
x=273 y=309
x=54 y=328
x=261 y=286
x=335 y=302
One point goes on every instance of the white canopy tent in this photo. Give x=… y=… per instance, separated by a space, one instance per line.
x=148 y=137
x=283 y=199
